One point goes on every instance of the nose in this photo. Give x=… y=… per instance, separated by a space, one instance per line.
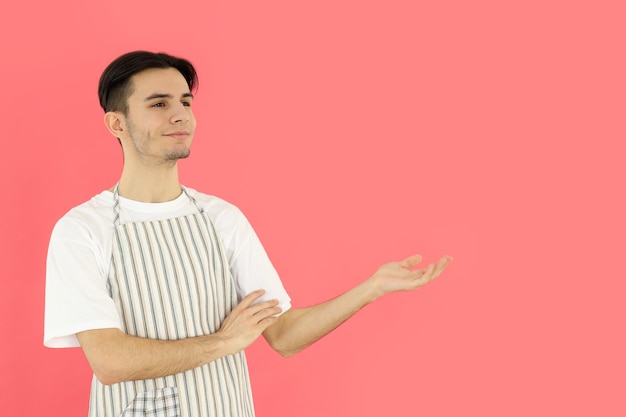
x=180 y=114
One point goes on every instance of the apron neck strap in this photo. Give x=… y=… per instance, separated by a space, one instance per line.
x=193 y=200
x=116 y=202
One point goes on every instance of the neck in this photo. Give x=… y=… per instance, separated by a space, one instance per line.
x=150 y=184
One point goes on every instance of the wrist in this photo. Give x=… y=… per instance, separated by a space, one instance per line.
x=214 y=346
x=372 y=291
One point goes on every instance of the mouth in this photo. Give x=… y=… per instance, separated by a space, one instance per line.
x=179 y=134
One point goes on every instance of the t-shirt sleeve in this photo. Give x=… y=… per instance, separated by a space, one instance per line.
x=250 y=264
x=76 y=298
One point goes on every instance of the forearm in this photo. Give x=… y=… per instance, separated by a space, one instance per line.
x=299 y=328
x=117 y=357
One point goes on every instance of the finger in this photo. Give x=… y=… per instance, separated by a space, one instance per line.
x=429 y=272
x=261 y=307
x=419 y=276
x=444 y=261
x=411 y=261
x=249 y=299
x=438 y=267
x=441 y=265
x=267 y=322
x=267 y=312
x=422 y=276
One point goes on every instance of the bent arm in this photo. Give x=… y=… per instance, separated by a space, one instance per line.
x=299 y=328
x=117 y=357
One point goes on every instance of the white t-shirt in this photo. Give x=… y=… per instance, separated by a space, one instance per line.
x=79 y=256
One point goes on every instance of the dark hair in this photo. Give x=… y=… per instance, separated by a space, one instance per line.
x=114 y=87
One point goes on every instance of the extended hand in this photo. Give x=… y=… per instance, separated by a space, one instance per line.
x=399 y=276
x=247 y=321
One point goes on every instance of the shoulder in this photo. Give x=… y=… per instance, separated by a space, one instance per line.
x=228 y=219
x=220 y=210
x=87 y=219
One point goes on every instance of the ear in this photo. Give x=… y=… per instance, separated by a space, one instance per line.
x=114 y=121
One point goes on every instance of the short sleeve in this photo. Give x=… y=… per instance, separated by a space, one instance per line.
x=253 y=270
x=249 y=263
x=76 y=297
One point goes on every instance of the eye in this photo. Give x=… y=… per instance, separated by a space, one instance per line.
x=187 y=103
x=159 y=104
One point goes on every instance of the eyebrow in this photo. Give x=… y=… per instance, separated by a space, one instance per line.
x=162 y=95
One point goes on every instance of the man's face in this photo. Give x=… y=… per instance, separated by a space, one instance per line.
x=159 y=124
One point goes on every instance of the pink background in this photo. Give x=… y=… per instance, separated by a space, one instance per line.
x=353 y=133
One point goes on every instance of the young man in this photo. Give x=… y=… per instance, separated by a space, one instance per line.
x=164 y=287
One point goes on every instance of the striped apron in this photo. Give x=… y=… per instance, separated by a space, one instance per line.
x=170 y=280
